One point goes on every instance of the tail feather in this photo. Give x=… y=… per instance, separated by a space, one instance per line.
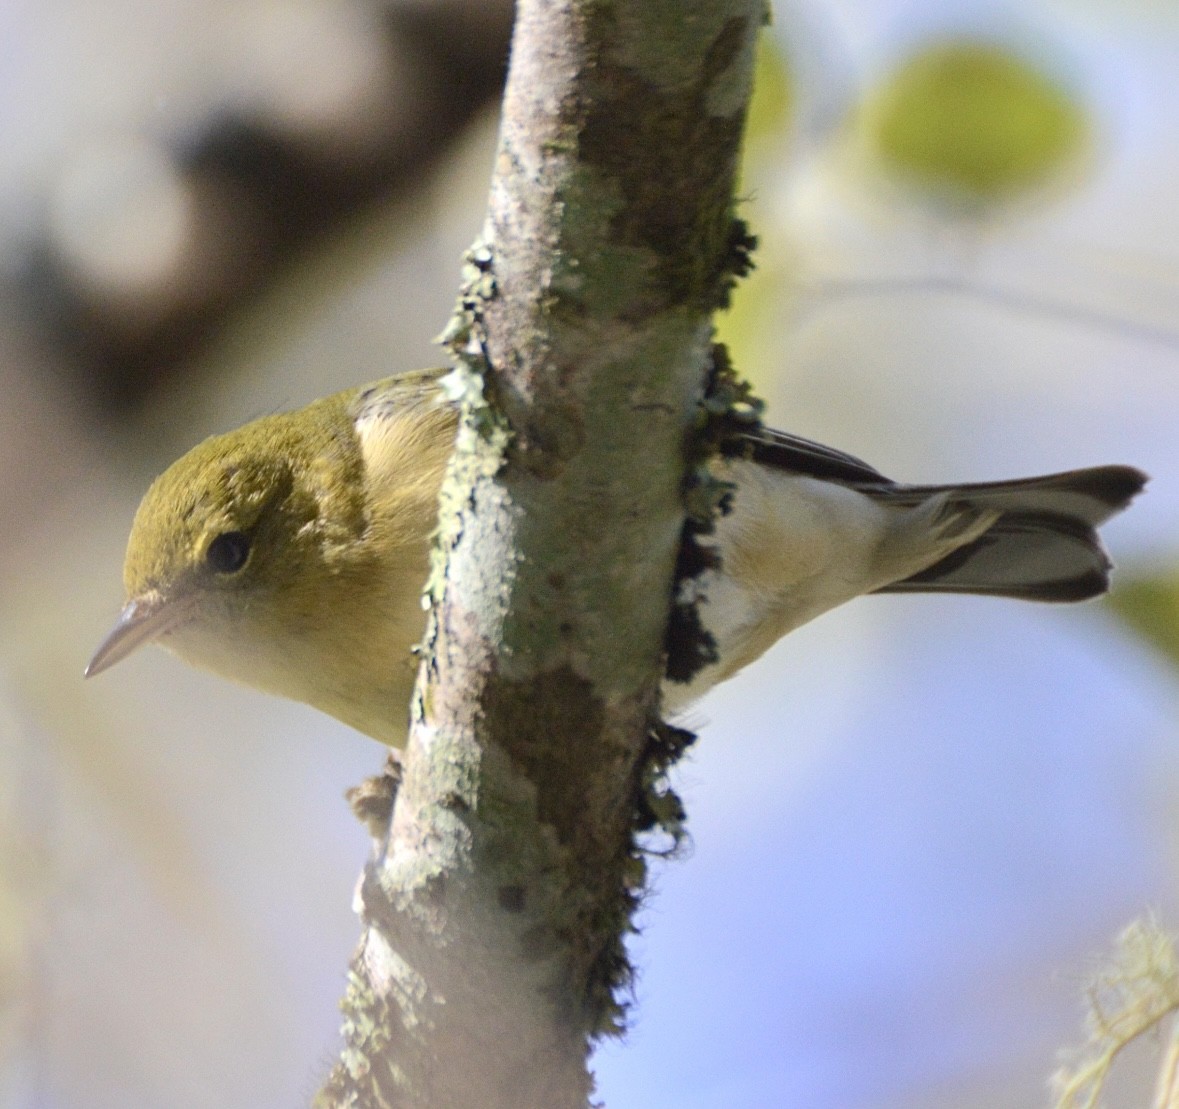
x=1042 y=547
x=1092 y=495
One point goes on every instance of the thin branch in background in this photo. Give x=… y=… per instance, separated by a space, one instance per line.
x=1043 y=306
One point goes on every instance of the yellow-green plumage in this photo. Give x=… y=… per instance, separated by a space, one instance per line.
x=291 y=554
x=338 y=501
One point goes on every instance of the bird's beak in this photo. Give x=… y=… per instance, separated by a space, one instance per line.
x=143 y=620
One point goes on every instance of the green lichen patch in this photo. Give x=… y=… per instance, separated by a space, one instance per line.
x=727 y=413
x=361 y=1079
x=660 y=808
x=659 y=828
x=484 y=435
x=671 y=152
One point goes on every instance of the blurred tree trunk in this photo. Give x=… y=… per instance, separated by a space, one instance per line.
x=496 y=910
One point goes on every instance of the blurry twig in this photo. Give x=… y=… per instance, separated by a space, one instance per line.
x=1133 y=994
x=1167 y=1093
x=1044 y=306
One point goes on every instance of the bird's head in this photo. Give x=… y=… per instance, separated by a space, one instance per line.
x=231 y=539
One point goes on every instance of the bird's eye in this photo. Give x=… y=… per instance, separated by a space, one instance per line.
x=228 y=553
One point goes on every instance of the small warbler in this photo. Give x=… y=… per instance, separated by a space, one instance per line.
x=290 y=554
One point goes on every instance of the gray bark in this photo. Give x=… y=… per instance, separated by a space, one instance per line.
x=495 y=913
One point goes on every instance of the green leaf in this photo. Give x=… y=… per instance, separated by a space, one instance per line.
x=1150 y=605
x=771 y=111
x=973 y=122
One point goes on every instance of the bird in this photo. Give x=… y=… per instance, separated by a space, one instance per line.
x=290 y=554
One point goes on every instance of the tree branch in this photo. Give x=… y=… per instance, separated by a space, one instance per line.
x=496 y=911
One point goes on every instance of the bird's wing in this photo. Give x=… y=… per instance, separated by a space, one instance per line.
x=782 y=451
x=405 y=427
x=397 y=396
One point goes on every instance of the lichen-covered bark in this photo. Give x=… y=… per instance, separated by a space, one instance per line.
x=495 y=912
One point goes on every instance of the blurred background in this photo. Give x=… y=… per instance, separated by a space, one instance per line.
x=917 y=824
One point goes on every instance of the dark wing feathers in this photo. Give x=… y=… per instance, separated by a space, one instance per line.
x=782 y=451
x=1043 y=547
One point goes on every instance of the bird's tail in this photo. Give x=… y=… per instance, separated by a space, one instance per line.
x=1043 y=546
